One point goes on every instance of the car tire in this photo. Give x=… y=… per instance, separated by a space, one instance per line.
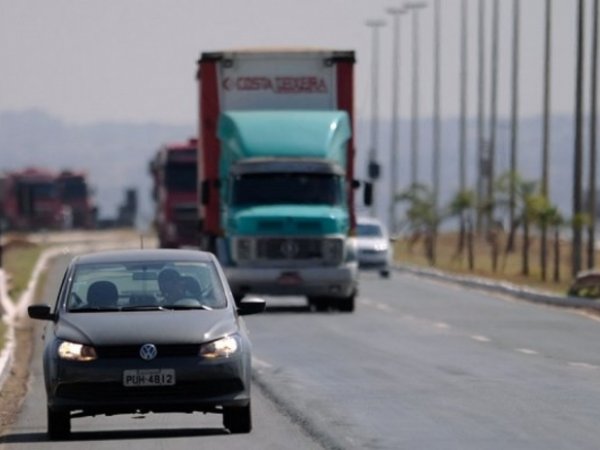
x=318 y=304
x=59 y=424
x=384 y=273
x=237 y=419
x=346 y=304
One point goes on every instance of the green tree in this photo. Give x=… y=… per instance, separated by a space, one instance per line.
x=463 y=206
x=422 y=217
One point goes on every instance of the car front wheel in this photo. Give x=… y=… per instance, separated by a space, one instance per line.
x=238 y=419
x=59 y=424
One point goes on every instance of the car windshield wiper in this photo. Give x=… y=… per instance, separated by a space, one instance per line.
x=186 y=307
x=143 y=308
x=88 y=309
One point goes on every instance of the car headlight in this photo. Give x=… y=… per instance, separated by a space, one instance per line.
x=381 y=247
x=221 y=348
x=72 y=351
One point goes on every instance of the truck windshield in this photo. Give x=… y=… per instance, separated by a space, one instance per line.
x=181 y=176
x=287 y=188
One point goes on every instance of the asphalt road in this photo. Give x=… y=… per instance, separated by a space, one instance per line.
x=419 y=365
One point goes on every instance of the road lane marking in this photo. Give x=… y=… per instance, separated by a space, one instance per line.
x=479 y=338
x=582 y=365
x=441 y=325
x=383 y=307
x=527 y=351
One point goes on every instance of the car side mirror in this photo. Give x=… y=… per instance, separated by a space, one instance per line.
x=41 y=312
x=251 y=305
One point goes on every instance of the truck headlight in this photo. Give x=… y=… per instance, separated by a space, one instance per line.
x=72 y=351
x=333 y=250
x=221 y=348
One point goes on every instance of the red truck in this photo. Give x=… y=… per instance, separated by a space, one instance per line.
x=174 y=174
x=75 y=196
x=31 y=200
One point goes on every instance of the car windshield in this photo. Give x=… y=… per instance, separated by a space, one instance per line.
x=369 y=230
x=145 y=286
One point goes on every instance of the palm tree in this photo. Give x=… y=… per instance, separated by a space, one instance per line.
x=462 y=206
x=422 y=217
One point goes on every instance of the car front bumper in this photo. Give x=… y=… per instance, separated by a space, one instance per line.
x=200 y=385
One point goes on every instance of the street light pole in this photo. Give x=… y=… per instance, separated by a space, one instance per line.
x=578 y=145
x=514 y=112
x=394 y=149
x=462 y=173
x=491 y=157
x=480 y=108
x=592 y=207
x=373 y=168
x=436 y=103
x=414 y=7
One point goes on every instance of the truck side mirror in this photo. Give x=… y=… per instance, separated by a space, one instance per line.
x=368 y=193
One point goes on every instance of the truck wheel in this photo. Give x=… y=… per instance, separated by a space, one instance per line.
x=59 y=424
x=346 y=304
x=238 y=419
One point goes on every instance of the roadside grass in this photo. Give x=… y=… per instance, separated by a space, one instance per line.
x=19 y=258
x=509 y=266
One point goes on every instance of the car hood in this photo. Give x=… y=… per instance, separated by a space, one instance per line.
x=371 y=243
x=157 y=327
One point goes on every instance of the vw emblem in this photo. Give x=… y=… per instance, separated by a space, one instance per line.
x=289 y=249
x=148 y=352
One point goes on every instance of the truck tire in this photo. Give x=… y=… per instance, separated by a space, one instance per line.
x=59 y=424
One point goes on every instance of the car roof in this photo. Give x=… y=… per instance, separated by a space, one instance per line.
x=142 y=255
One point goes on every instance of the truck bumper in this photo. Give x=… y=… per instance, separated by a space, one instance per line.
x=338 y=282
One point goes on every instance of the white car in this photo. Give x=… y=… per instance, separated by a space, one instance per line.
x=374 y=248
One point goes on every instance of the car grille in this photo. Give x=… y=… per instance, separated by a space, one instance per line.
x=133 y=351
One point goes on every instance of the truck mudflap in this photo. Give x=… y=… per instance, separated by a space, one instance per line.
x=330 y=282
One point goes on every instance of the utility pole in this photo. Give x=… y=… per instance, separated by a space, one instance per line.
x=414 y=7
x=373 y=168
x=493 y=111
x=481 y=142
x=462 y=168
x=394 y=149
x=436 y=103
x=578 y=145
x=514 y=123
x=592 y=207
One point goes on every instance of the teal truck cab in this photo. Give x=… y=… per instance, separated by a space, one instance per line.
x=277 y=184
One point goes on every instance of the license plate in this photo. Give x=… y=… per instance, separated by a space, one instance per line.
x=149 y=377
x=290 y=279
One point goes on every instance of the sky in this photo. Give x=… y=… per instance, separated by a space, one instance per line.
x=134 y=60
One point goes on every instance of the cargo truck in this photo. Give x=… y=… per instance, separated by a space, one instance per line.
x=174 y=177
x=276 y=172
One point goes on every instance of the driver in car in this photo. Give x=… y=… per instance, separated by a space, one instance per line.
x=171 y=285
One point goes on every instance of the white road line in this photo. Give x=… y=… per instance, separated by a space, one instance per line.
x=526 y=351
x=382 y=307
x=442 y=325
x=479 y=338
x=583 y=365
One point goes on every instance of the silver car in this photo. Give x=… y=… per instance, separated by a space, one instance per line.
x=374 y=248
x=146 y=331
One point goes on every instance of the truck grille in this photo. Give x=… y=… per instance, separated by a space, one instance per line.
x=287 y=249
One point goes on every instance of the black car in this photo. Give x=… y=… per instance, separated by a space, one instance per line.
x=146 y=331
